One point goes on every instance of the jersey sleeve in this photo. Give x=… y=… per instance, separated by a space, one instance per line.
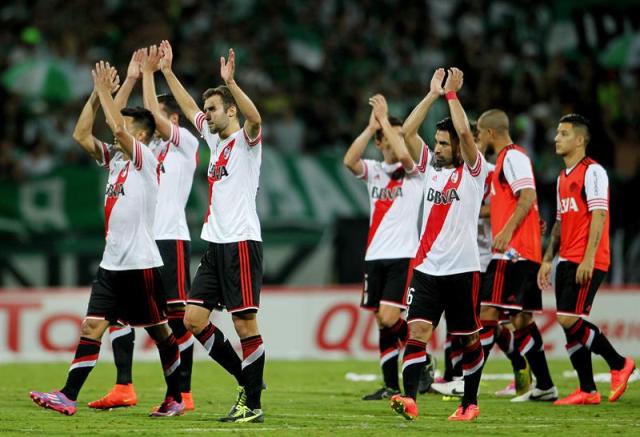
x=184 y=140
x=200 y=122
x=252 y=141
x=558 y=205
x=596 y=186
x=106 y=153
x=479 y=168
x=368 y=166
x=143 y=158
x=517 y=170
x=424 y=158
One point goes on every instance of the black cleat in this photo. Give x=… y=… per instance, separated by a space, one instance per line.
x=380 y=394
x=427 y=375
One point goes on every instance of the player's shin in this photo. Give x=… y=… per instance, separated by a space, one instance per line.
x=83 y=363
x=253 y=358
x=122 y=342
x=472 y=365
x=219 y=348
x=413 y=361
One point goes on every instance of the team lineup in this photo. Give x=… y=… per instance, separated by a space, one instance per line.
x=449 y=232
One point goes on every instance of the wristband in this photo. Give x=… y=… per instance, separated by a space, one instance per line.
x=451 y=95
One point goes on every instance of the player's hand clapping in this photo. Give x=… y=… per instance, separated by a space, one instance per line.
x=228 y=67
x=454 y=80
x=167 y=56
x=133 y=71
x=435 y=87
x=105 y=77
x=380 y=108
x=151 y=59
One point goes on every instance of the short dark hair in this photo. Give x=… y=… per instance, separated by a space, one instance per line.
x=142 y=118
x=170 y=104
x=224 y=93
x=446 y=125
x=580 y=122
x=393 y=121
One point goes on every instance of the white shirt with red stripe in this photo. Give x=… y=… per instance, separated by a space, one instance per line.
x=394 y=199
x=130 y=205
x=484 y=225
x=177 y=161
x=518 y=171
x=449 y=239
x=234 y=174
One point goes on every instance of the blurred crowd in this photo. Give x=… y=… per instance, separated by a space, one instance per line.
x=311 y=65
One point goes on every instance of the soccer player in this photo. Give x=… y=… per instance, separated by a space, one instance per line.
x=511 y=276
x=128 y=288
x=395 y=187
x=446 y=277
x=580 y=236
x=230 y=272
x=175 y=148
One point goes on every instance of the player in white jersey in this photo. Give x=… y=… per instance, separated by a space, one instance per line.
x=395 y=187
x=446 y=277
x=175 y=148
x=230 y=272
x=128 y=288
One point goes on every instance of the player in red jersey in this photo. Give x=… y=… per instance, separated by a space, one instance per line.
x=511 y=276
x=128 y=288
x=580 y=237
x=395 y=187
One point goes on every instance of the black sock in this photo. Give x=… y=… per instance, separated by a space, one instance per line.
x=413 y=361
x=448 y=362
x=590 y=336
x=122 y=342
x=488 y=336
x=389 y=345
x=580 y=358
x=472 y=364
x=253 y=358
x=170 y=359
x=185 y=344
x=506 y=343
x=529 y=342
x=220 y=349
x=85 y=360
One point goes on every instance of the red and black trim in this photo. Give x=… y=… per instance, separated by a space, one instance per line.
x=246 y=286
x=255 y=141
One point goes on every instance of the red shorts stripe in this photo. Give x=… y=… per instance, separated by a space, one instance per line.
x=243 y=273
x=248 y=270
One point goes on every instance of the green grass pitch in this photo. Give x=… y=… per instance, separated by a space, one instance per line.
x=304 y=398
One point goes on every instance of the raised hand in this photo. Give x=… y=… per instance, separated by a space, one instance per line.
x=380 y=108
x=228 y=67
x=115 y=80
x=436 y=82
x=454 y=80
x=373 y=125
x=151 y=60
x=102 y=77
x=167 y=56
x=133 y=71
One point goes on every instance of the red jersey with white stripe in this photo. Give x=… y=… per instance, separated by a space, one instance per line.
x=394 y=198
x=234 y=174
x=484 y=224
x=582 y=189
x=177 y=160
x=129 y=208
x=513 y=173
x=452 y=200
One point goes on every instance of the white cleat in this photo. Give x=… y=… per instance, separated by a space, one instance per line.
x=536 y=394
x=451 y=388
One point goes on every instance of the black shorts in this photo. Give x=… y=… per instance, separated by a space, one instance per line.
x=176 y=276
x=573 y=299
x=128 y=297
x=455 y=295
x=512 y=286
x=229 y=276
x=385 y=282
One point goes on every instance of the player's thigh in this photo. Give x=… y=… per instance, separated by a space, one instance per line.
x=426 y=298
x=463 y=294
x=395 y=281
x=241 y=275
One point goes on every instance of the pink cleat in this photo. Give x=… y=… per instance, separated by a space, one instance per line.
x=55 y=401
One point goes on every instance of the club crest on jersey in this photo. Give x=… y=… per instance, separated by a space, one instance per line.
x=227 y=151
x=442 y=197
x=386 y=193
x=568 y=204
x=454 y=177
x=217 y=172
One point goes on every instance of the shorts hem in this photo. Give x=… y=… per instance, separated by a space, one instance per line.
x=567 y=313
x=174 y=301
x=465 y=332
x=501 y=305
x=419 y=320
x=145 y=325
x=393 y=304
x=237 y=310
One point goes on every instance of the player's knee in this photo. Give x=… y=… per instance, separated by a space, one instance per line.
x=566 y=321
x=489 y=313
x=470 y=339
x=193 y=323
x=158 y=332
x=386 y=319
x=521 y=320
x=91 y=328
x=245 y=324
x=420 y=331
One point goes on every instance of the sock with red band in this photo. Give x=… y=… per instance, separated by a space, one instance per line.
x=170 y=359
x=220 y=349
x=391 y=340
x=590 y=336
x=185 y=344
x=253 y=358
x=122 y=342
x=413 y=361
x=529 y=342
x=506 y=342
x=85 y=360
x=580 y=358
x=488 y=336
x=472 y=364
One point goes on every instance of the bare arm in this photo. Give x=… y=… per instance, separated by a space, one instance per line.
x=111 y=112
x=526 y=197
x=245 y=105
x=150 y=65
x=133 y=74
x=554 y=243
x=416 y=118
x=83 y=132
x=485 y=211
x=468 y=148
x=353 y=158
x=380 y=110
x=185 y=101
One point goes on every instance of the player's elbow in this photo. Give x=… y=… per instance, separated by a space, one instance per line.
x=120 y=132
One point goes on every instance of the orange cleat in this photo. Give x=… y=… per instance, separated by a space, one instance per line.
x=620 y=379
x=187 y=400
x=465 y=414
x=121 y=395
x=404 y=406
x=580 y=397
